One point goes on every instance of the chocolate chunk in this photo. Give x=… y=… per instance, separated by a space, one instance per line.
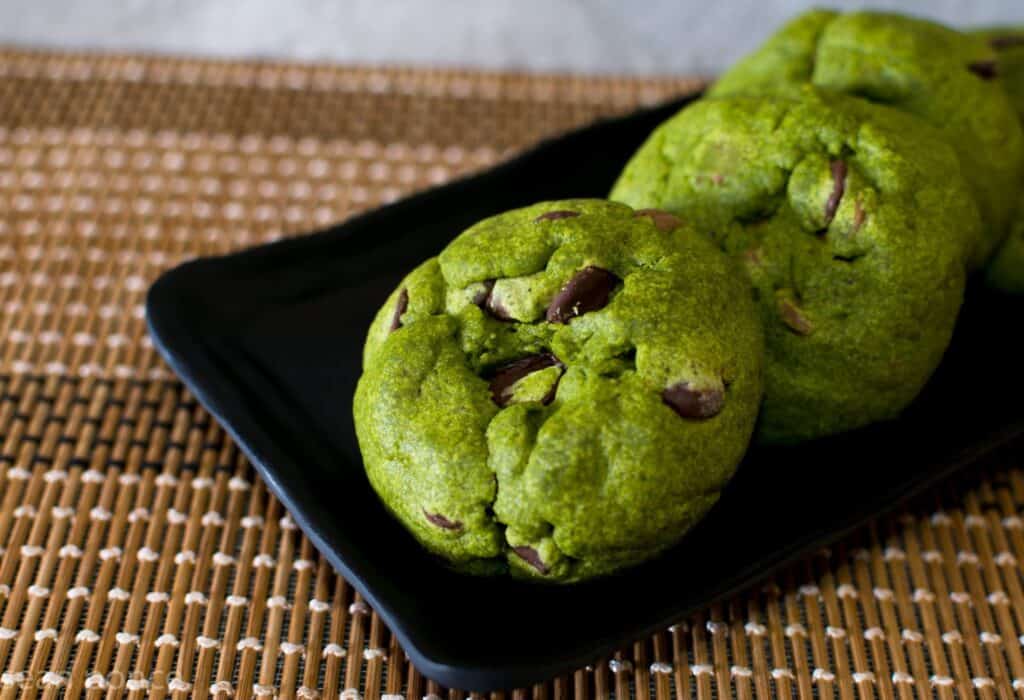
x=400 y=307
x=986 y=70
x=557 y=214
x=1007 y=41
x=532 y=557
x=793 y=316
x=507 y=375
x=491 y=306
x=481 y=297
x=662 y=219
x=693 y=403
x=838 y=188
x=588 y=290
x=443 y=522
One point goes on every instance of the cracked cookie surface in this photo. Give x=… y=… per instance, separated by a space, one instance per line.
x=946 y=78
x=853 y=225
x=563 y=392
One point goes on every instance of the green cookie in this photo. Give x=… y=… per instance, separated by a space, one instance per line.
x=1005 y=271
x=563 y=392
x=853 y=223
x=942 y=76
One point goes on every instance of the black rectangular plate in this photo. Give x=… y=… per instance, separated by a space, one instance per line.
x=269 y=340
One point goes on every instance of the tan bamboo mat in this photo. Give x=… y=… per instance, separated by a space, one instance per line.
x=139 y=554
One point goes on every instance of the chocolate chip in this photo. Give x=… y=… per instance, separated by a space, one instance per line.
x=557 y=214
x=1007 y=41
x=588 y=290
x=532 y=557
x=400 y=307
x=986 y=70
x=693 y=403
x=491 y=306
x=507 y=375
x=793 y=316
x=838 y=188
x=481 y=297
x=443 y=522
x=662 y=219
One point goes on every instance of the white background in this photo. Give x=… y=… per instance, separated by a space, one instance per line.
x=621 y=36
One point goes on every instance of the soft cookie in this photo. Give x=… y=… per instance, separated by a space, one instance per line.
x=946 y=78
x=853 y=223
x=563 y=392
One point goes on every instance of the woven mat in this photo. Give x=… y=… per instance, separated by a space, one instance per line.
x=139 y=554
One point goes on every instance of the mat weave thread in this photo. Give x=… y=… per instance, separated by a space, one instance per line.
x=140 y=556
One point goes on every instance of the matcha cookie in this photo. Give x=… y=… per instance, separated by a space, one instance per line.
x=563 y=392
x=1005 y=271
x=853 y=224
x=946 y=78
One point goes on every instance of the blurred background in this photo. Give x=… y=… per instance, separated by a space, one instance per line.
x=591 y=36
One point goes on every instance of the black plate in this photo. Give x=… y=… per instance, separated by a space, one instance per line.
x=270 y=339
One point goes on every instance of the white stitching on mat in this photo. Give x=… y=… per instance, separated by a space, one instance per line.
x=52 y=679
x=166 y=640
x=118 y=594
x=796 y=630
x=9 y=679
x=1006 y=559
x=204 y=642
x=96 y=682
x=87 y=637
x=714 y=627
x=222 y=687
x=846 y=590
x=952 y=637
x=249 y=643
x=70 y=552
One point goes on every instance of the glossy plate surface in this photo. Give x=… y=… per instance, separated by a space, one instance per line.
x=270 y=339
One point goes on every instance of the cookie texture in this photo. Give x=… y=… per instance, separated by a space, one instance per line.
x=563 y=392
x=1005 y=271
x=946 y=78
x=853 y=223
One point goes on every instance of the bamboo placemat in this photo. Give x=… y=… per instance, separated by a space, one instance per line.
x=139 y=555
